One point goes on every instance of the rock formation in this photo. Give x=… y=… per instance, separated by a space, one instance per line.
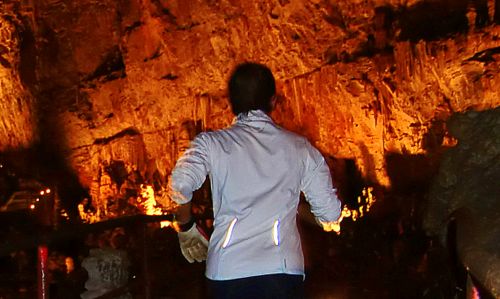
x=128 y=82
x=107 y=271
x=17 y=122
x=466 y=191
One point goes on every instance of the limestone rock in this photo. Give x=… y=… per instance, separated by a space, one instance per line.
x=107 y=270
x=17 y=121
x=116 y=81
x=469 y=173
x=466 y=192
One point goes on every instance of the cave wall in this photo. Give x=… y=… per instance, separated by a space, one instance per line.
x=18 y=125
x=469 y=173
x=134 y=80
x=463 y=208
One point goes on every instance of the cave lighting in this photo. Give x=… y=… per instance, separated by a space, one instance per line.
x=365 y=201
x=148 y=204
x=64 y=214
x=87 y=217
x=46 y=191
x=70 y=264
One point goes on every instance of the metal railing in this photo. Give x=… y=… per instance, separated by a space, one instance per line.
x=44 y=239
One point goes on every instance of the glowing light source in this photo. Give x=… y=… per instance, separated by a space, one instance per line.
x=149 y=204
x=70 y=264
x=365 y=200
x=32 y=206
x=475 y=293
x=64 y=214
x=86 y=216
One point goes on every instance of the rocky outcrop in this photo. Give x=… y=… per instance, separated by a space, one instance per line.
x=466 y=192
x=131 y=81
x=17 y=122
x=388 y=103
x=107 y=271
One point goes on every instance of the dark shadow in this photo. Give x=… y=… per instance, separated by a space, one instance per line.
x=45 y=160
x=459 y=275
x=410 y=173
x=112 y=67
x=433 y=20
x=347 y=179
x=51 y=75
x=497 y=12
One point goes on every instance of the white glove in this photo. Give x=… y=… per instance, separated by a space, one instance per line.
x=329 y=226
x=194 y=244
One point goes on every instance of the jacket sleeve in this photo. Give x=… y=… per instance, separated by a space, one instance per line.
x=190 y=171
x=317 y=187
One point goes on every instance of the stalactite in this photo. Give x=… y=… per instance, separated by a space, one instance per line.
x=360 y=79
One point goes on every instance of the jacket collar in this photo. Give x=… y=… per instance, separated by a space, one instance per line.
x=256 y=119
x=252 y=116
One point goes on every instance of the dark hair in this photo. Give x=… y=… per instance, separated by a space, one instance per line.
x=251 y=87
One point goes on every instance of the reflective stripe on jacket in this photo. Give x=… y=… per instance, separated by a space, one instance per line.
x=257 y=171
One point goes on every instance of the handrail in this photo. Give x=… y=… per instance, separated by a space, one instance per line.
x=76 y=231
x=480 y=264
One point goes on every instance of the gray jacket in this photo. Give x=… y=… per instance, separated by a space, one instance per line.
x=257 y=171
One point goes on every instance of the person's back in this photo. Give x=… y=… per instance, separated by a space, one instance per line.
x=257 y=171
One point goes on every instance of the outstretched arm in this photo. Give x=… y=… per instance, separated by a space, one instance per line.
x=318 y=189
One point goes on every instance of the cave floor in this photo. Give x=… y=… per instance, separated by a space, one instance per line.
x=379 y=256
x=345 y=267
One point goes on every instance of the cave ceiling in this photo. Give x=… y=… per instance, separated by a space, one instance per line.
x=132 y=80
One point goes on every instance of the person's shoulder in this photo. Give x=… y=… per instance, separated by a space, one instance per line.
x=205 y=135
x=213 y=136
x=292 y=135
x=294 y=139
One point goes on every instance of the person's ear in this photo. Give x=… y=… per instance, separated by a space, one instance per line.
x=274 y=101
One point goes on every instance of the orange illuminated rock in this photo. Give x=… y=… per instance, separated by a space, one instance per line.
x=17 y=120
x=117 y=81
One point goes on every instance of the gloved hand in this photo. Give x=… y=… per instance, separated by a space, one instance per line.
x=194 y=244
x=329 y=226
